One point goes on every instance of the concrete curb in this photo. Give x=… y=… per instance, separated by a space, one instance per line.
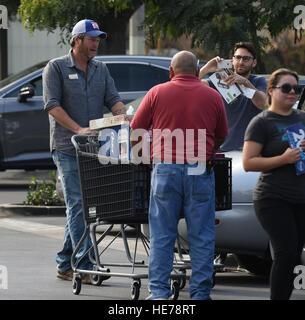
x=8 y=209
x=22 y=179
x=16 y=184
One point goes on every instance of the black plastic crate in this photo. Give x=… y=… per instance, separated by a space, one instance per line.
x=223 y=183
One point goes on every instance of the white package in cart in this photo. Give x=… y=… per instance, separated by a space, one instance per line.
x=229 y=93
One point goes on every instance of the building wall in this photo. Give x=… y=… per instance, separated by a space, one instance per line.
x=25 y=50
x=136 y=35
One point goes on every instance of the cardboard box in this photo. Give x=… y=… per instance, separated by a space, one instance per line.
x=114 y=135
x=115 y=142
x=109 y=122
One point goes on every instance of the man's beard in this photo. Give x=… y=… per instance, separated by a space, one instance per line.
x=245 y=72
x=86 y=53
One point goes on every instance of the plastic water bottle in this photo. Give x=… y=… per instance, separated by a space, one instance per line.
x=130 y=110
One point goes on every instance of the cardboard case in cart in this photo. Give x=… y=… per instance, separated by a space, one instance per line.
x=114 y=135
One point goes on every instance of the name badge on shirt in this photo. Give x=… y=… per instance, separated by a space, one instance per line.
x=73 y=76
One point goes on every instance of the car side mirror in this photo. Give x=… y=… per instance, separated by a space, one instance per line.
x=26 y=92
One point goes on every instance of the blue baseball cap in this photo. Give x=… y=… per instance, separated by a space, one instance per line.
x=88 y=27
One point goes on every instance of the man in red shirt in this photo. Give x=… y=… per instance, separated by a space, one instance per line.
x=192 y=113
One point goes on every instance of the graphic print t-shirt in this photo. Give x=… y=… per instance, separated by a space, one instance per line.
x=269 y=129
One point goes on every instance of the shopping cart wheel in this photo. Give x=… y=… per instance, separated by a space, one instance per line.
x=77 y=283
x=182 y=279
x=135 y=289
x=213 y=279
x=97 y=280
x=175 y=286
x=182 y=282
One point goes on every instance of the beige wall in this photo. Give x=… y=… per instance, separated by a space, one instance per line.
x=25 y=50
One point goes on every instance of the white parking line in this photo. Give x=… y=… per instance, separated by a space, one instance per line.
x=40 y=229
x=57 y=232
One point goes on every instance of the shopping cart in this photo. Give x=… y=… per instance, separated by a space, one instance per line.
x=113 y=194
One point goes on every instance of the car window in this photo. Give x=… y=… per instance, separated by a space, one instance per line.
x=37 y=83
x=21 y=74
x=136 y=77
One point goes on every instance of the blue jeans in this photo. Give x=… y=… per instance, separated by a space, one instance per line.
x=172 y=190
x=75 y=225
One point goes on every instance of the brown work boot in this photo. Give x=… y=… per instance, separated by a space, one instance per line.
x=86 y=279
x=65 y=275
x=68 y=275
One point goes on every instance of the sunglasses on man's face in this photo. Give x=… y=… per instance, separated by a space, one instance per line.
x=286 y=88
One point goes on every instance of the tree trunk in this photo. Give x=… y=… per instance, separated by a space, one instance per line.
x=260 y=67
x=116 y=27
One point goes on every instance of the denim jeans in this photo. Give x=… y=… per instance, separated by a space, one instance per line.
x=173 y=189
x=75 y=225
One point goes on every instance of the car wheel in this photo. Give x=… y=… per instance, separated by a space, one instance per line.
x=256 y=265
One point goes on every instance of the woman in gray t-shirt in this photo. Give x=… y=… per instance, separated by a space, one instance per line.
x=279 y=196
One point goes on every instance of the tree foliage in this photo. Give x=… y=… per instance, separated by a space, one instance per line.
x=214 y=25
x=111 y=15
x=217 y=24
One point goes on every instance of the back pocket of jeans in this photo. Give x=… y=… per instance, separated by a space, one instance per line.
x=162 y=183
x=201 y=188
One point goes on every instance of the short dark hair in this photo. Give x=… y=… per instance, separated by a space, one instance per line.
x=80 y=36
x=246 y=45
x=275 y=78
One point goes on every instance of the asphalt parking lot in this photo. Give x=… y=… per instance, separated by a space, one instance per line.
x=29 y=244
